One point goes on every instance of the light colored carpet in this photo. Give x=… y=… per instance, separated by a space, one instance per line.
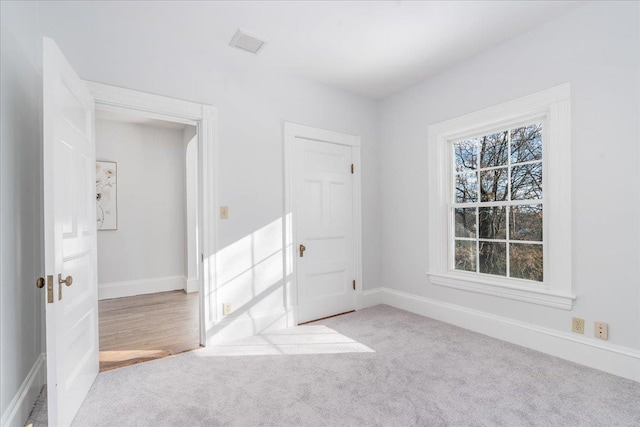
x=378 y=366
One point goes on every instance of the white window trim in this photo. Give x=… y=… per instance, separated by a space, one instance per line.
x=556 y=289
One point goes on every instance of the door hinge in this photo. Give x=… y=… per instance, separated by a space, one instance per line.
x=353 y=168
x=354 y=285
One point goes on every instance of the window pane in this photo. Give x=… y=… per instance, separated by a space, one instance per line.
x=526 y=143
x=465 y=255
x=466 y=155
x=492 y=223
x=493 y=258
x=525 y=261
x=525 y=223
x=493 y=150
x=467 y=187
x=526 y=182
x=465 y=222
x=493 y=185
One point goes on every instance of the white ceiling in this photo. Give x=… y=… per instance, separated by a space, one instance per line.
x=371 y=48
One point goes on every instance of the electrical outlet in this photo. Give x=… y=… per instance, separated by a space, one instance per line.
x=577 y=325
x=601 y=330
x=224 y=212
x=226 y=308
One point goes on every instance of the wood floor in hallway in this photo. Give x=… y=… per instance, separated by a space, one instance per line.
x=146 y=327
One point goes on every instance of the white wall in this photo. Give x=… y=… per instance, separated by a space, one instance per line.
x=252 y=108
x=21 y=304
x=146 y=252
x=596 y=49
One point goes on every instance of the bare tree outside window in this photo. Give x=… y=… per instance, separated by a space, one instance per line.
x=498 y=203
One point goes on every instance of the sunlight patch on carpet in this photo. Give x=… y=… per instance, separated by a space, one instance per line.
x=312 y=339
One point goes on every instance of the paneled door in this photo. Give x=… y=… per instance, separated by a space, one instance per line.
x=69 y=237
x=324 y=250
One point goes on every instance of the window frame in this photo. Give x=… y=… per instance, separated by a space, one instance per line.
x=552 y=106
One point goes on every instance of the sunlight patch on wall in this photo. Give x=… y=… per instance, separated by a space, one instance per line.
x=250 y=270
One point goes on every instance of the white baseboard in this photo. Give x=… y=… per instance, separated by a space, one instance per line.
x=140 y=287
x=369 y=298
x=22 y=403
x=245 y=325
x=611 y=358
x=191 y=285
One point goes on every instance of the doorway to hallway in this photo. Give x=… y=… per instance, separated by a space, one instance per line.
x=146 y=195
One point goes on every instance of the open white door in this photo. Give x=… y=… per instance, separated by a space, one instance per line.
x=69 y=236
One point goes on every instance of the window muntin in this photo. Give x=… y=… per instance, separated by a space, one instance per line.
x=497 y=203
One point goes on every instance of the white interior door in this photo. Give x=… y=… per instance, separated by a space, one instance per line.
x=324 y=249
x=70 y=236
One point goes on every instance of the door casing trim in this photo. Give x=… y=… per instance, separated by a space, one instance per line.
x=289 y=237
x=204 y=117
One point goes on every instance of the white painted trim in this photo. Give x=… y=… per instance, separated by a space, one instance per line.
x=291 y=132
x=234 y=327
x=598 y=354
x=357 y=215
x=18 y=411
x=164 y=108
x=369 y=298
x=505 y=290
x=140 y=287
x=510 y=110
x=553 y=106
x=191 y=285
x=638 y=175
x=205 y=118
x=208 y=194
x=321 y=135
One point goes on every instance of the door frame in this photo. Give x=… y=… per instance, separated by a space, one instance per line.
x=292 y=131
x=204 y=117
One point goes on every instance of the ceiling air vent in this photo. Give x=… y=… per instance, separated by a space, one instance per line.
x=246 y=41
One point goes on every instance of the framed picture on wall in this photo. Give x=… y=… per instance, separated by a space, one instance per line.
x=107 y=195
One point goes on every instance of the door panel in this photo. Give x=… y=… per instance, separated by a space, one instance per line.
x=70 y=236
x=324 y=225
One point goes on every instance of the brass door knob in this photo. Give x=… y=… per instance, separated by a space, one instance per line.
x=67 y=281
x=302 y=249
x=40 y=283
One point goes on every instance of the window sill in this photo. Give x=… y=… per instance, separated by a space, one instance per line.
x=503 y=290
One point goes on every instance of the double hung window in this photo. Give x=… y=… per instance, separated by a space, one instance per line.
x=500 y=200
